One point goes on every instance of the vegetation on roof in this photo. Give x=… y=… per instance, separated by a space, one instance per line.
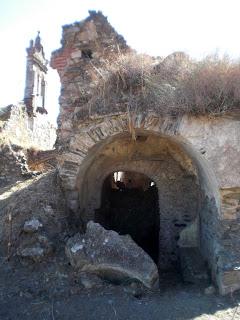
x=176 y=85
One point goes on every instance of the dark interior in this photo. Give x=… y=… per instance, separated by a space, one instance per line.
x=130 y=206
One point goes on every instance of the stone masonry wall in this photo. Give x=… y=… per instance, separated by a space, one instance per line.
x=28 y=132
x=18 y=134
x=213 y=143
x=85 y=46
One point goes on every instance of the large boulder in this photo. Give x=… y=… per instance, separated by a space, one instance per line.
x=111 y=256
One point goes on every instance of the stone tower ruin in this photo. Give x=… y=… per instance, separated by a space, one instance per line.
x=36 y=70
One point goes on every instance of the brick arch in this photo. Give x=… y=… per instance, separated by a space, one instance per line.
x=90 y=135
x=92 y=198
x=86 y=151
x=93 y=135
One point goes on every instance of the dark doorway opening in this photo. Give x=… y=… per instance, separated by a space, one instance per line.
x=129 y=205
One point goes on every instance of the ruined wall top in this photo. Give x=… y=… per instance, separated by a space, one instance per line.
x=91 y=38
x=102 y=77
x=86 y=47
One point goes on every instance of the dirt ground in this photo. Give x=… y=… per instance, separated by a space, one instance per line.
x=52 y=291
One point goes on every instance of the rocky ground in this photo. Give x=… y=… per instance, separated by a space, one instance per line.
x=53 y=291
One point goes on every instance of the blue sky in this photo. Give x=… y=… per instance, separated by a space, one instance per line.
x=157 y=27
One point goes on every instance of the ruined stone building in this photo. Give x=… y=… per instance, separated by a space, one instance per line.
x=26 y=126
x=130 y=158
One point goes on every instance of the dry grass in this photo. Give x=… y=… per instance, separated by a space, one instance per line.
x=177 y=85
x=212 y=87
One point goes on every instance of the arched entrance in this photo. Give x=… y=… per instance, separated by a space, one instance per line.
x=187 y=198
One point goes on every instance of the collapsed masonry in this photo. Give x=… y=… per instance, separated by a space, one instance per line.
x=133 y=157
x=105 y=129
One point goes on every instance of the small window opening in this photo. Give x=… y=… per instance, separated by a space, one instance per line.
x=87 y=54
